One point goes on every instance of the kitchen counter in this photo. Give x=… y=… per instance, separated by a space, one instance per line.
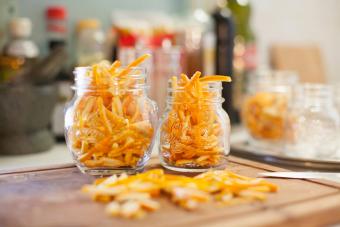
x=52 y=197
x=59 y=154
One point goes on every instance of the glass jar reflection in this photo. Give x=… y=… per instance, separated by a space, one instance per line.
x=312 y=124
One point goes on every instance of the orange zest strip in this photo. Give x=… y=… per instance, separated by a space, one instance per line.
x=215 y=78
x=134 y=64
x=134 y=196
x=196 y=76
x=114 y=66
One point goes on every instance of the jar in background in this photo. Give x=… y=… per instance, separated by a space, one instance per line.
x=194 y=134
x=91 y=42
x=110 y=125
x=312 y=125
x=336 y=94
x=19 y=53
x=264 y=108
x=167 y=62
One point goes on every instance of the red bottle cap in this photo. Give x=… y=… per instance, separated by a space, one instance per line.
x=56 y=12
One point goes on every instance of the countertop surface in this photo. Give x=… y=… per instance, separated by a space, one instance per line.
x=52 y=197
x=59 y=154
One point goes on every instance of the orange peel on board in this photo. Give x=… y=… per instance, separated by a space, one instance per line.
x=134 y=196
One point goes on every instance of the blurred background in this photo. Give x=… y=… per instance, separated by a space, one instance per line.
x=42 y=41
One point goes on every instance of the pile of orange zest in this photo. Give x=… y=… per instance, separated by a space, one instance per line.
x=191 y=133
x=263 y=115
x=111 y=125
x=135 y=196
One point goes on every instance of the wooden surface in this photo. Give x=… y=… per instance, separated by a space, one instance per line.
x=52 y=197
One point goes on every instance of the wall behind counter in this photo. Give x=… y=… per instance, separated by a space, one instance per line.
x=79 y=9
x=301 y=22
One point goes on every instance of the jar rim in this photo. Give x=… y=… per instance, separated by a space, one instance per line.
x=313 y=94
x=213 y=86
x=314 y=89
x=275 y=77
x=84 y=69
x=83 y=80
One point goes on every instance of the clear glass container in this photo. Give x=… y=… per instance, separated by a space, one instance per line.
x=194 y=136
x=265 y=106
x=312 y=124
x=91 y=42
x=110 y=128
x=336 y=94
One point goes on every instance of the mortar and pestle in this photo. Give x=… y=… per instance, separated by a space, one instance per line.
x=26 y=107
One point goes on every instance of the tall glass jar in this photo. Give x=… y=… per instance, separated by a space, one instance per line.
x=312 y=122
x=265 y=106
x=110 y=128
x=194 y=134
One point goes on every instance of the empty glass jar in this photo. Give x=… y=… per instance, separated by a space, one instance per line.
x=312 y=124
x=265 y=106
x=194 y=133
x=110 y=122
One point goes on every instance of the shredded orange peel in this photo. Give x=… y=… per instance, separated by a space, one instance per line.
x=263 y=115
x=192 y=132
x=111 y=126
x=133 y=196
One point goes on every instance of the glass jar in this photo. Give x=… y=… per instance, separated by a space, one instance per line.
x=265 y=105
x=110 y=128
x=91 y=42
x=194 y=134
x=312 y=124
x=336 y=95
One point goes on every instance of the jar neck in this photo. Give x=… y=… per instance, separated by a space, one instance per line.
x=273 y=81
x=210 y=94
x=134 y=82
x=316 y=95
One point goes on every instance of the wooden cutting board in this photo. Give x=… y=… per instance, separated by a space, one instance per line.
x=51 y=197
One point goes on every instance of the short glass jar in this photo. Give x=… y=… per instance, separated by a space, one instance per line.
x=194 y=134
x=312 y=124
x=109 y=126
x=265 y=106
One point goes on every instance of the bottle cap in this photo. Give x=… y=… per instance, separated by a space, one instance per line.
x=56 y=12
x=87 y=24
x=20 y=27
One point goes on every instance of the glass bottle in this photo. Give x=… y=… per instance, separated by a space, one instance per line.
x=265 y=106
x=224 y=46
x=56 y=21
x=20 y=52
x=194 y=136
x=90 y=42
x=312 y=124
x=109 y=129
x=20 y=44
